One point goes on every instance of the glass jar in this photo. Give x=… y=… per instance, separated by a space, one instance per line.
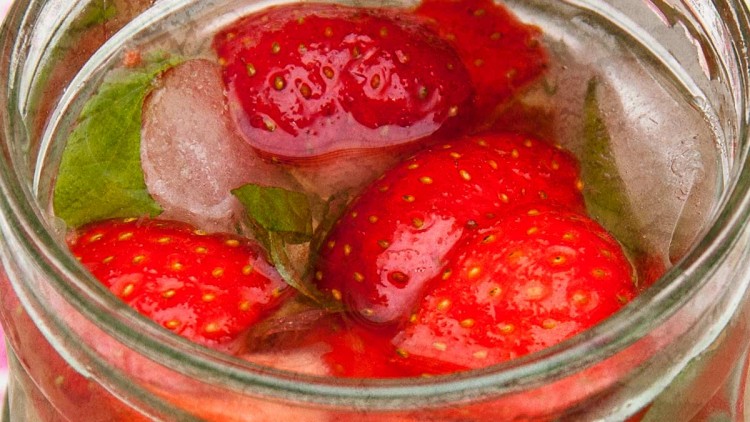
x=677 y=352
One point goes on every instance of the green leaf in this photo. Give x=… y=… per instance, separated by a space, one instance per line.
x=282 y=220
x=96 y=14
x=100 y=174
x=280 y=211
x=604 y=189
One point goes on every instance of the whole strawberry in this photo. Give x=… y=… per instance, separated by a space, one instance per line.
x=501 y=53
x=394 y=237
x=531 y=280
x=309 y=79
x=209 y=288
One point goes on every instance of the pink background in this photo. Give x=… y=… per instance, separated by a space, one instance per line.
x=3 y=365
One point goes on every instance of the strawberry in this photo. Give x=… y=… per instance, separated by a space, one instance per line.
x=394 y=237
x=360 y=352
x=209 y=288
x=334 y=346
x=531 y=280
x=501 y=53
x=306 y=80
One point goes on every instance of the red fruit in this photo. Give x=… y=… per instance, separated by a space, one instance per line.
x=306 y=80
x=394 y=237
x=359 y=352
x=501 y=53
x=209 y=288
x=533 y=279
x=329 y=345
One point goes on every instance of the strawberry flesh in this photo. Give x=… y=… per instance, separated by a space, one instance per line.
x=535 y=278
x=501 y=53
x=306 y=80
x=209 y=288
x=394 y=237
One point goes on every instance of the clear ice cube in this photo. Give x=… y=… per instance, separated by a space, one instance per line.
x=664 y=150
x=191 y=155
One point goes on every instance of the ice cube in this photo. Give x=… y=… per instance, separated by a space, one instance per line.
x=350 y=171
x=191 y=155
x=665 y=152
x=662 y=145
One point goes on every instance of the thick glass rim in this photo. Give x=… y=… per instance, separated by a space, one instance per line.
x=24 y=222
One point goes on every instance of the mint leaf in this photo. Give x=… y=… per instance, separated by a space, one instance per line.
x=604 y=190
x=284 y=212
x=95 y=14
x=100 y=174
x=282 y=220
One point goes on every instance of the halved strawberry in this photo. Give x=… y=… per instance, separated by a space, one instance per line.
x=501 y=53
x=531 y=280
x=209 y=288
x=394 y=237
x=309 y=79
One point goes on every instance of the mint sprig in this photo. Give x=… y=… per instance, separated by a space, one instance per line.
x=291 y=226
x=279 y=211
x=100 y=175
